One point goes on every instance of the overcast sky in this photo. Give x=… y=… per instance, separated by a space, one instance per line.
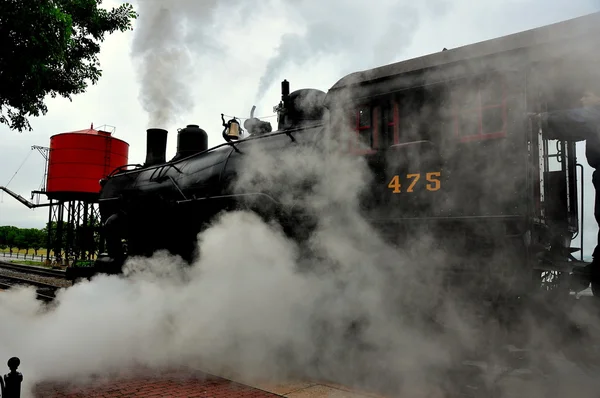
x=233 y=51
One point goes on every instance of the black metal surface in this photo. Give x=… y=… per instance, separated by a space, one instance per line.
x=176 y=187
x=190 y=141
x=156 y=146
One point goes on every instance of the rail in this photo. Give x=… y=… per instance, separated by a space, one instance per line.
x=52 y=273
x=19 y=280
x=40 y=293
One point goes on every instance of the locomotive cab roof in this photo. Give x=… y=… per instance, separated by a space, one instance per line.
x=551 y=41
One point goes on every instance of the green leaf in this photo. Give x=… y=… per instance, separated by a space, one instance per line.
x=50 y=48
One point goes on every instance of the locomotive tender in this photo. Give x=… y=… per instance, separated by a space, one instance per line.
x=447 y=136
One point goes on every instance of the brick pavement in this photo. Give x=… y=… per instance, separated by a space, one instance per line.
x=166 y=385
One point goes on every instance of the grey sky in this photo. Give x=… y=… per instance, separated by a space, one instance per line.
x=229 y=55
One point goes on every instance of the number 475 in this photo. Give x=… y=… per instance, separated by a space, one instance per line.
x=432 y=185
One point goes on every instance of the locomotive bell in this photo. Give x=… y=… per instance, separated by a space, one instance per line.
x=232 y=130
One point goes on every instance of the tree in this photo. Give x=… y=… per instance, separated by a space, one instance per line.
x=22 y=238
x=10 y=237
x=3 y=237
x=31 y=239
x=50 y=47
x=21 y=241
x=39 y=242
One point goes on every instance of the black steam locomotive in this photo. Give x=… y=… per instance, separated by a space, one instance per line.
x=164 y=204
x=449 y=142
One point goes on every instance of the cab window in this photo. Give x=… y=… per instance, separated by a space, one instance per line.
x=479 y=108
x=363 y=122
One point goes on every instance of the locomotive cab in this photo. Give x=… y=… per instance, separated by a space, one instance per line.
x=454 y=153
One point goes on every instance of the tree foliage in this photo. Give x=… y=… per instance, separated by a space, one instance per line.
x=83 y=237
x=22 y=238
x=50 y=47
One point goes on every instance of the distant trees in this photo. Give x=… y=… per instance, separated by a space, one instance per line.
x=83 y=238
x=22 y=239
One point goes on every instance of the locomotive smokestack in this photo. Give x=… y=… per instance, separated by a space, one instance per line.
x=156 y=146
x=284 y=104
x=285 y=89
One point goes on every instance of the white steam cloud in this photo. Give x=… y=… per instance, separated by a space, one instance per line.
x=170 y=40
x=355 y=35
x=345 y=306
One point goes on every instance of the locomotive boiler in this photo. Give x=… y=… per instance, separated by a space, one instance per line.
x=452 y=151
x=163 y=204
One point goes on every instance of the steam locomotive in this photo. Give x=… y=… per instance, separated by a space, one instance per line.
x=449 y=142
x=184 y=194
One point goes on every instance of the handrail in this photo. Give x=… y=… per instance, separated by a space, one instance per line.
x=582 y=210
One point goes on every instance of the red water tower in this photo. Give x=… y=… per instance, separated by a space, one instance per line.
x=75 y=163
x=78 y=160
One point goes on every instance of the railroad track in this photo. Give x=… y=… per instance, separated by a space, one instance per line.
x=44 y=291
x=52 y=273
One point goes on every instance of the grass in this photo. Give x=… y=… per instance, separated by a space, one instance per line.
x=29 y=262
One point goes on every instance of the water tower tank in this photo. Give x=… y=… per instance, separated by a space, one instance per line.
x=79 y=159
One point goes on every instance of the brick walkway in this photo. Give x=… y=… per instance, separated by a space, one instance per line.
x=172 y=386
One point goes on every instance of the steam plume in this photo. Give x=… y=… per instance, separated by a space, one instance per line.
x=353 y=35
x=169 y=38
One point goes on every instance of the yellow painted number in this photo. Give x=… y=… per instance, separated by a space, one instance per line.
x=432 y=185
x=435 y=183
x=415 y=178
x=395 y=184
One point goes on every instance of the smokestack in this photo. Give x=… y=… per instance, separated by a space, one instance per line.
x=156 y=146
x=285 y=89
x=284 y=104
